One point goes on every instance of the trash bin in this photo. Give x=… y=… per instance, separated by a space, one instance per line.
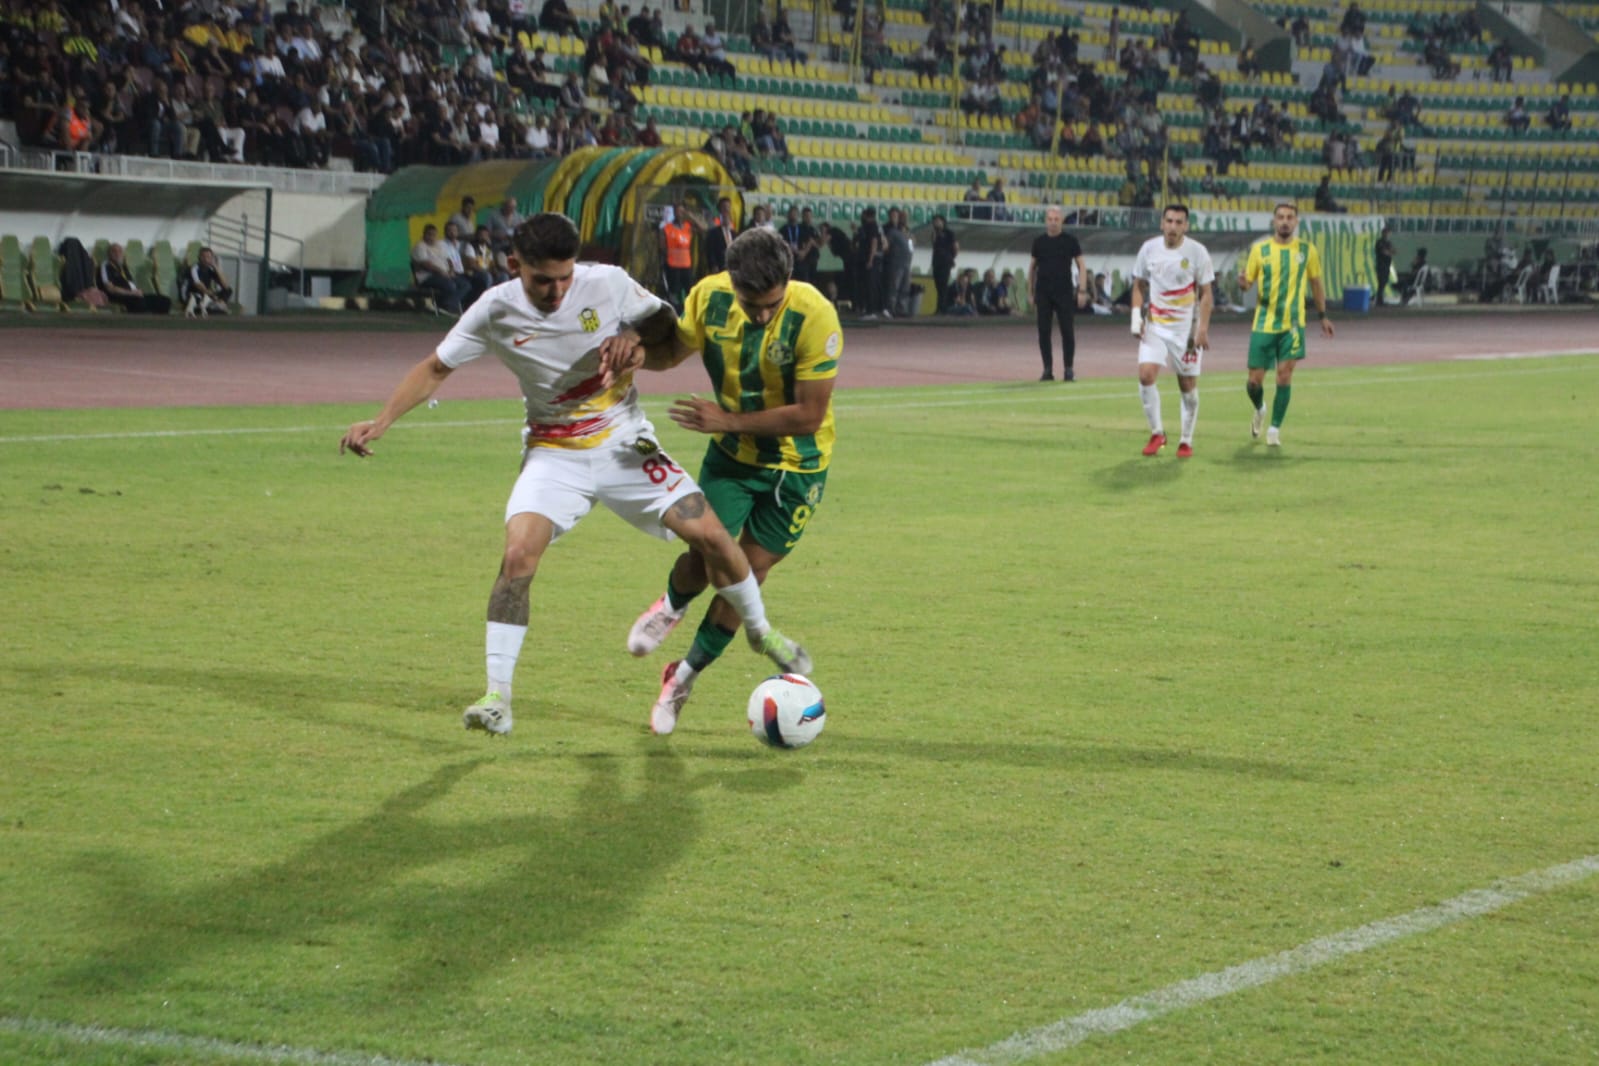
x=1358 y=298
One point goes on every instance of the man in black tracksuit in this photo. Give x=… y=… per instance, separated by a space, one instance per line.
x=1054 y=293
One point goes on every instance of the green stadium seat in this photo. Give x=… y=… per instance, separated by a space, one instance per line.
x=14 y=294
x=44 y=270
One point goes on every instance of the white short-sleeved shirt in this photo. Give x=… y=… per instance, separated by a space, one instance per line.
x=1174 y=276
x=556 y=357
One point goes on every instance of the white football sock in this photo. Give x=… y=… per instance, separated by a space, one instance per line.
x=1190 y=413
x=745 y=597
x=1150 y=396
x=503 y=643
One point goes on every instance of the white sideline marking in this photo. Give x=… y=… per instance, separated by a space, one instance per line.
x=1084 y=394
x=1520 y=355
x=1107 y=1021
x=163 y=1041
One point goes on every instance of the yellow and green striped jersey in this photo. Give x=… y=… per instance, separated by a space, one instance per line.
x=1282 y=271
x=754 y=369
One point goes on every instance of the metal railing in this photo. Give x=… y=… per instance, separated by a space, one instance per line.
x=249 y=239
x=177 y=171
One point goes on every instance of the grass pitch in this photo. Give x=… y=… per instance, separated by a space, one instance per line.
x=1098 y=724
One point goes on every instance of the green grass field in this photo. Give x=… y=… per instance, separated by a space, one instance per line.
x=1098 y=724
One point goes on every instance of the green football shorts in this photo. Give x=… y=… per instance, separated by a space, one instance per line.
x=1266 y=350
x=774 y=505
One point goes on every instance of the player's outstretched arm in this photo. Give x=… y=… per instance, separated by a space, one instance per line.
x=419 y=383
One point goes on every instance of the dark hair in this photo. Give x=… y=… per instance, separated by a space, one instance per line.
x=1292 y=207
x=547 y=236
x=759 y=260
x=1176 y=207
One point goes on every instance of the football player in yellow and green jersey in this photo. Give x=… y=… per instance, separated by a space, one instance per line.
x=771 y=347
x=1284 y=265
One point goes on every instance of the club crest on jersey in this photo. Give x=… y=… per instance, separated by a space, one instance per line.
x=589 y=320
x=1183 y=263
x=813 y=495
x=779 y=354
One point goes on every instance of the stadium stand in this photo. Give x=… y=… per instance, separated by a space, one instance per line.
x=1425 y=110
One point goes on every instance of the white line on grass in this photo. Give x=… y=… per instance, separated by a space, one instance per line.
x=1523 y=355
x=1060 y=394
x=1107 y=1021
x=156 y=1040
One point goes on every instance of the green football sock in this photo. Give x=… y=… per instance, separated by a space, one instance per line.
x=674 y=598
x=1279 y=404
x=710 y=641
x=1257 y=394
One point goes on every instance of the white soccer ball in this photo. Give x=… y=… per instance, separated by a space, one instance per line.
x=786 y=711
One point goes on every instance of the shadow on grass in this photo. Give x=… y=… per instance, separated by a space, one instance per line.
x=1142 y=471
x=553 y=880
x=1090 y=758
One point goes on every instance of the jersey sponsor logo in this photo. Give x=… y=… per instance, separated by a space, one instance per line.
x=833 y=341
x=779 y=354
x=589 y=319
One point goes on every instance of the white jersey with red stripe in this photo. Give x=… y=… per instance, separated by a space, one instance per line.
x=1174 y=276
x=556 y=357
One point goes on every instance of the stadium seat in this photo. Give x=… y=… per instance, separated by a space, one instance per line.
x=14 y=294
x=44 y=270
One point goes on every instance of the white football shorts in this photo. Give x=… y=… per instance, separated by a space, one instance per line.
x=1161 y=344
x=562 y=484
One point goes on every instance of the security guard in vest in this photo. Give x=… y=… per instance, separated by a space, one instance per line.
x=678 y=233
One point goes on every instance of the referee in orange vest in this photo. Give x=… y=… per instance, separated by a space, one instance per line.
x=678 y=233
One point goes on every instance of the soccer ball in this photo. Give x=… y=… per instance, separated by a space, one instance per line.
x=786 y=711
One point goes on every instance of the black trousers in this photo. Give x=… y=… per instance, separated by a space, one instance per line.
x=1056 y=305
x=941 y=272
x=1383 y=266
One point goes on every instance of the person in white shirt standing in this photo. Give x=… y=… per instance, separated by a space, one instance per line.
x=1172 y=276
x=563 y=327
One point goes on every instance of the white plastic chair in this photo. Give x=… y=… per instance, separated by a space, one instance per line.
x=1550 y=292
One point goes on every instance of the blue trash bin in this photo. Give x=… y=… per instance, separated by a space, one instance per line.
x=1358 y=298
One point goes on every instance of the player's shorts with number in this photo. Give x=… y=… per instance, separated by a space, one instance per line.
x=1266 y=350
x=1169 y=347
x=773 y=505
x=563 y=484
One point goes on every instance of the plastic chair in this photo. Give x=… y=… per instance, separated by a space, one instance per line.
x=1550 y=291
x=44 y=268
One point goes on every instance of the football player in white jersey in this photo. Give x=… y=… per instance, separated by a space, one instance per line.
x=1171 y=277
x=586 y=437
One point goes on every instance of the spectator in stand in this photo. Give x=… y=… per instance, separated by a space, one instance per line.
x=783 y=39
x=207 y=292
x=760 y=35
x=1501 y=62
x=1324 y=197
x=961 y=300
x=690 y=51
x=996 y=195
x=1559 y=114
x=897 y=266
x=572 y=99
x=718 y=236
x=311 y=126
x=974 y=195
x=118 y=285
x=714 y=51
x=477 y=263
x=433 y=268
x=1248 y=62
x=1300 y=31
x=866 y=256
x=649 y=136
x=1517 y=117
x=556 y=17
x=502 y=224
